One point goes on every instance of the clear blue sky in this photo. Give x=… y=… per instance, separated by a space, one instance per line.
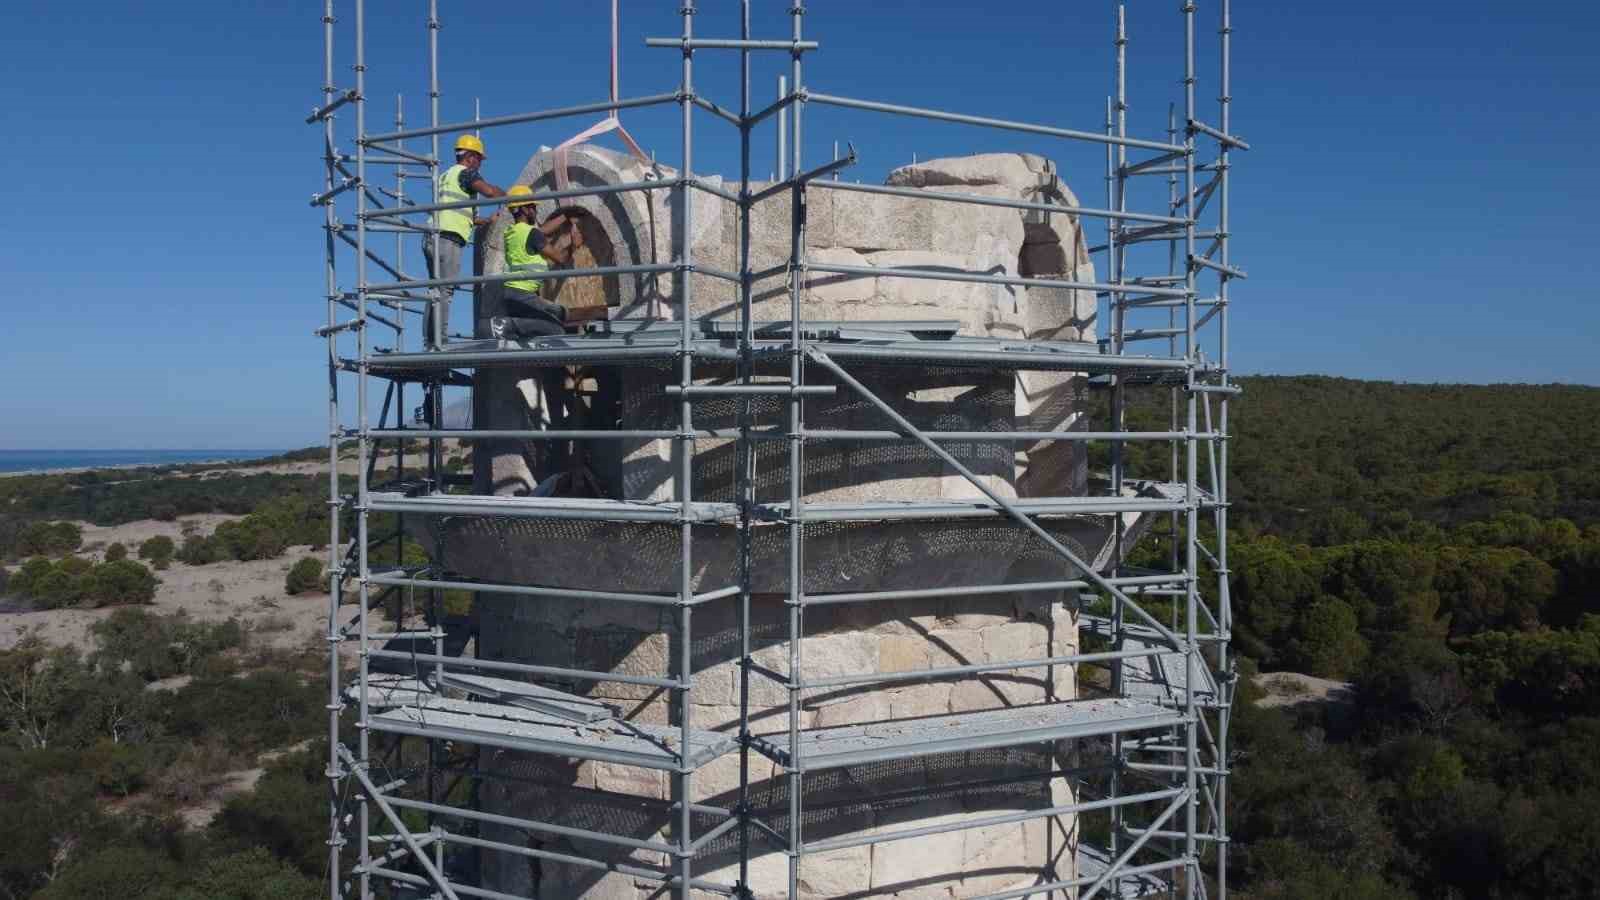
x=1415 y=208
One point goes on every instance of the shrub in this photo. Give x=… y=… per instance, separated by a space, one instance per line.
x=119 y=768
x=50 y=539
x=155 y=647
x=198 y=551
x=25 y=581
x=117 y=871
x=251 y=875
x=305 y=576
x=158 y=550
x=122 y=581
x=269 y=624
x=116 y=551
x=246 y=715
x=74 y=566
x=57 y=589
x=285 y=814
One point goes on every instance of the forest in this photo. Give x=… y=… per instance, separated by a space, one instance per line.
x=1436 y=546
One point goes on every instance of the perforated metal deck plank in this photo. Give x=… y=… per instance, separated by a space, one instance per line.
x=385 y=690
x=859 y=341
x=550 y=508
x=1162 y=677
x=532 y=696
x=1093 y=861
x=885 y=510
x=514 y=728
x=849 y=745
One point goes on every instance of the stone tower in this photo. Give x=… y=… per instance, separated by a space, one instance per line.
x=858 y=229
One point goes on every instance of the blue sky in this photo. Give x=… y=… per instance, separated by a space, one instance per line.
x=1413 y=210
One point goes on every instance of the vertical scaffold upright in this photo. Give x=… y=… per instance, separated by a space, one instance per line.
x=1162 y=788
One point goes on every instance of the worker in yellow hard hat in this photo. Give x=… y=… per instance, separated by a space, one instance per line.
x=458 y=183
x=529 y=248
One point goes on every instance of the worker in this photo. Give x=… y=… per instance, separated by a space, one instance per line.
x=531 y=247
x=461 y=181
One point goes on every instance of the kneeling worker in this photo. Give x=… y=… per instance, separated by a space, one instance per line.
x=530 y=249
x=457 y=184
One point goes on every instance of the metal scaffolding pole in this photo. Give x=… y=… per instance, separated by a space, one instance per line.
x=364 y=825
x=1224 y=599
x=797 y=351
x=334 y=772
x=746 y=447
x=683 y=780
x=1191 y=872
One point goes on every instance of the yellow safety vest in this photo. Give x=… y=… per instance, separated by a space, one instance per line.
x=454 y=221
x=518 y=259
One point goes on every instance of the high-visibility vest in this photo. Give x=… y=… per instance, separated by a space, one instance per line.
x=518 y=259
x=454 y=221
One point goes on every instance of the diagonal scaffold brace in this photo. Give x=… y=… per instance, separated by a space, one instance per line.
x=1022 y=518
x=358 y=769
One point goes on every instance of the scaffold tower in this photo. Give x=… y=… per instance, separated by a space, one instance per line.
x=1128 y=732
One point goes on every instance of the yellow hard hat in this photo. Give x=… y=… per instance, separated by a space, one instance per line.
x=520 y=190
x=471 y=142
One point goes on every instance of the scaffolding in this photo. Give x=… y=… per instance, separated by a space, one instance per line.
x=1168 y=677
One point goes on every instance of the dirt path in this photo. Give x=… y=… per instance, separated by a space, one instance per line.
x=1291 y=688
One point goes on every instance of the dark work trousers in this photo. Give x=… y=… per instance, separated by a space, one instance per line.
x=530 y=315
x=448 y=265
x=534 y=315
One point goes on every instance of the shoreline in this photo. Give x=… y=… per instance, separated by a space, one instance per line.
x=73 y=470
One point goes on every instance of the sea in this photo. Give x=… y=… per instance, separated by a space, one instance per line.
x=44 y=460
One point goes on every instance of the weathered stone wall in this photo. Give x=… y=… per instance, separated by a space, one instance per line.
x=846 y=228
x=855 y=229
x=841 y=641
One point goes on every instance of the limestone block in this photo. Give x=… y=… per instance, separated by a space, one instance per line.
x=988 y=234
x=1015 y=641
x=847 y=291
x=717 y=685
x=826 y=655
x=837 y=471
x=919 y=700
x=955 y=648
x=769 y=879
x=987 y=692
x=902 y=653
x=626 y=653
x=995 y=858
x=872 y=706
x=718 y=780
x=982 y=309
x=574 y=881
x=631 y=780
x=837 y=873
x=770 y=243
x=880 y=221
x=905 y=868
x=965 y=171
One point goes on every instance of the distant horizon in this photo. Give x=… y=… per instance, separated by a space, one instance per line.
x=42 y=460
x=258 y=452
